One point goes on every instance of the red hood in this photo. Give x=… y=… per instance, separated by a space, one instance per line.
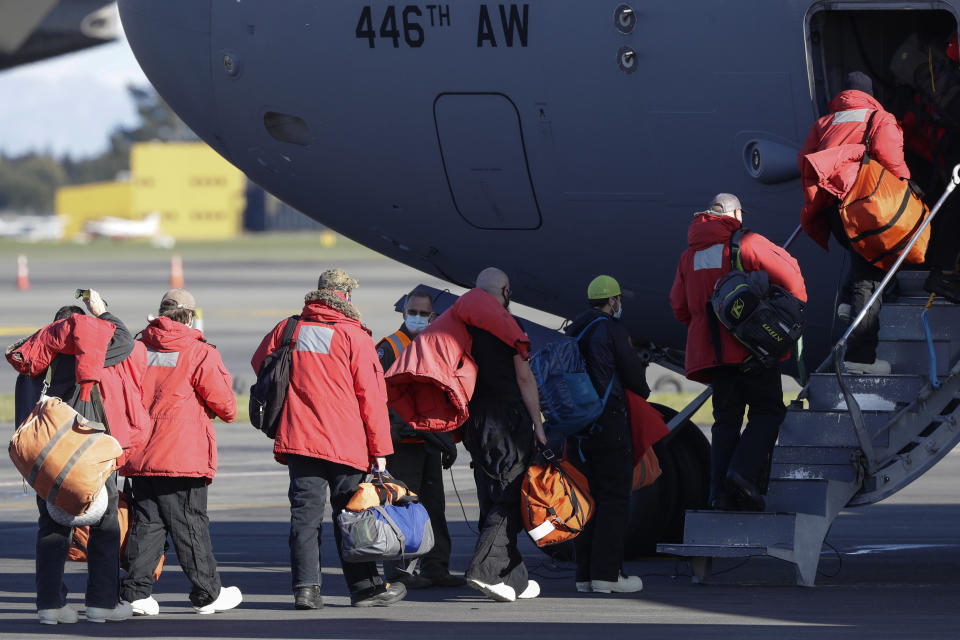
x=164 y=334
x=707 y=230
x=317 y=311
x=853 y=99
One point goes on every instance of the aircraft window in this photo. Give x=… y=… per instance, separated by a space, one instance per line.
x=287 y=128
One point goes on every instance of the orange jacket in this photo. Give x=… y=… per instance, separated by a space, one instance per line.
x=87 y=338
x=185 y=385
x=431 y=383
x=830 y=157
x=707 y=259
x=336 y=406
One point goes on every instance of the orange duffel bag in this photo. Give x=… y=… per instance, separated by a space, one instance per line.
x=81 y=535
x=881 y=213
x=64 y=457
x=555 y=501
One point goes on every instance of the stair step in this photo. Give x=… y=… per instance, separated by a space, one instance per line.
x=911 y=356
x=803 y=427
x=900 y=321
x=738 y=528
x=910 y=282
x=872 y=392
x=813 y=454
x=711 y=550
x=798 y=496
x=813 y=471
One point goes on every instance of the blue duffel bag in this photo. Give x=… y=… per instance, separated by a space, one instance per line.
x=386 y=532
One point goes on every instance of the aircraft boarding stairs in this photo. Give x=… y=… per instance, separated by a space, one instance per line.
x=820 y=465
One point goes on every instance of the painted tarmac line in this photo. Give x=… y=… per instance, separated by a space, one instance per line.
x=17 y=331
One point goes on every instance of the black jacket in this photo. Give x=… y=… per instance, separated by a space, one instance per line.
x=608 y=354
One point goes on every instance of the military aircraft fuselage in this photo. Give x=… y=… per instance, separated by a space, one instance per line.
x=556 y=139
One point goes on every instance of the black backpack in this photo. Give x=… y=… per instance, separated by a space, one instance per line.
x=269 y=392
x=763 y=317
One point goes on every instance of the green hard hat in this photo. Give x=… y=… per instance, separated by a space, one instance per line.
x=602 y=287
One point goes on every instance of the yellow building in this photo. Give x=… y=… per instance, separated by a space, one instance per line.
x=197 y=193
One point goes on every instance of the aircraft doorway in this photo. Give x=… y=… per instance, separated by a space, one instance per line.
x=907 y=53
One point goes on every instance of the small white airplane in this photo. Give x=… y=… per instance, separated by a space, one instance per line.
x=123 y=228
x=31 y=228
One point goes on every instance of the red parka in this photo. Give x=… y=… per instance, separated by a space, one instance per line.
x=185 y=385
x=431 y=383
x=707 y=259
x=87 y=338
x=830 y=158
x=336 y=406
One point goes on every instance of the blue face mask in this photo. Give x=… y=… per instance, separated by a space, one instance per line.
x=619 y=311
x=416 y=324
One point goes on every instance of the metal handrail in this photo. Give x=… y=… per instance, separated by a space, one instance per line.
x=840 y=348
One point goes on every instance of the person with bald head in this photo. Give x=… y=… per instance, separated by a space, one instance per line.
x=504 y=418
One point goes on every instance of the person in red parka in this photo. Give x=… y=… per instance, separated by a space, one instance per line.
x=739 y=462
x=333 y=428
x=829 y=161
x=185 y=386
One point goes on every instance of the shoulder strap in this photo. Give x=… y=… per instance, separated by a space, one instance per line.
x=736 y=240
x=289 y=329
x=590 y=324
x=866 y=133
x=97 y=400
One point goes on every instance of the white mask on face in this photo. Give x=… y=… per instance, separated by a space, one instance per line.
x=416 y=324
x=619 y=311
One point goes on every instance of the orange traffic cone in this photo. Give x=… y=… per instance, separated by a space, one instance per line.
x=23 y=274
x=176 y=272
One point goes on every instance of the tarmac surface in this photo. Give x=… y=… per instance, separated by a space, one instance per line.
x=891 y=570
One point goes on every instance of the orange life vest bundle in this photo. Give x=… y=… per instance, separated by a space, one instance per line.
x=555 y=501
x=881 y=213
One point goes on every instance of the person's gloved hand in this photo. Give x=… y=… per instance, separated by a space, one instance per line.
x=444 y=443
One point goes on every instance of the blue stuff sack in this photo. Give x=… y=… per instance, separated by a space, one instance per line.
x=387 y=532
x=568 y=399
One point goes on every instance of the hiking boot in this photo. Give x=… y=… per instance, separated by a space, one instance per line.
x=877 y=367
x=382 y=595
x=119 y=613
x=501 y=592
x=446 y=580
x=531 y=592
x=412 y=580
x=945 y=285
x=307 y=597
x=64 y=615
x=229 y=598
x=747 y=493
x=624 y=584
x=145 y=607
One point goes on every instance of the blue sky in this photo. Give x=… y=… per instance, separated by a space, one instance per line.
x=69 y=103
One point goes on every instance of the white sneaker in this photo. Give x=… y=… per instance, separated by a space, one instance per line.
x=532 y=591
x=501 y=592
x=229 y=598
x=64 y=615
x=584 y=586
x=118 y=614
x=877 y=367
x=145 y=607
x=843 y=311
x=624 y=584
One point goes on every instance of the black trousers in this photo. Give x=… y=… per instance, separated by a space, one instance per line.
x=499 y=437
x=419 y=467
x=606 y=459
x=944 y=251
x=861 y=282
x=497 y=558
x=746 y=453
x=309 y=480
x=103 y=557
x=177 y=506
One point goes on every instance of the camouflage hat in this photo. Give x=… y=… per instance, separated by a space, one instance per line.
x=336 y=280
